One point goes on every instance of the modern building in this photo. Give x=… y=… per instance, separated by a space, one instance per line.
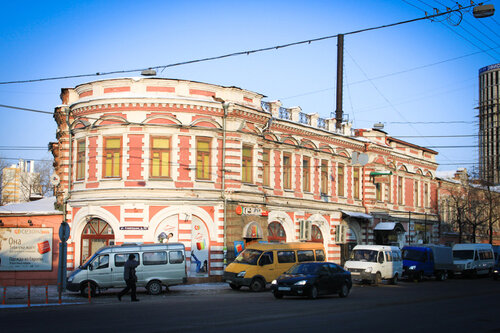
x=219 y=167
x=20 y=183
x=489 y=123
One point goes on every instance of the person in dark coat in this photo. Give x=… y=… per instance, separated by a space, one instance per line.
x=130 y=278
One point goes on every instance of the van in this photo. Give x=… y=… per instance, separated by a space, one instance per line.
x=261 y=263
x=427 y=260
x=159 y=265
x=473 y=259
x=374 y=263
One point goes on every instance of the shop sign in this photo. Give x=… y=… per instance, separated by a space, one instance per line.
x=422 y=227
x=25 y=249
x=254 y=211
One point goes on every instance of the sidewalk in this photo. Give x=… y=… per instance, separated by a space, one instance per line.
x=16 y=297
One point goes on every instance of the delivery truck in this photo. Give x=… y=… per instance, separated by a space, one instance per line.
x=427 y=260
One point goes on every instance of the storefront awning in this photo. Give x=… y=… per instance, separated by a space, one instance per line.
x=390 y=226
x=357 y=215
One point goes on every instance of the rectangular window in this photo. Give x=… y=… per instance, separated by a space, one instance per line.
x=378 y=189
x=80 y=160
x=306 y=174
x=154 y=258
x=320 y=255
x=415 y=193
x=400 y=190
x=265 y=167
x=340 y=184
x=286 y=256
x=246 y=164
x=389 y=190
x=203 y=158
x=305 y=255
x=112 y=157
x=160 y=157
x=120 y=259
x=176 y=257
x=356 y=183
x=324 y=177
x=426 y=194
x=287 y=171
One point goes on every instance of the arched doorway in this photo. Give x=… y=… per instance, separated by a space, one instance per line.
x=316 y=235
x=276 y=233
x=95 y=235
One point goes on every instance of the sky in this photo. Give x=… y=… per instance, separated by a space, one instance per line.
x=419 y=79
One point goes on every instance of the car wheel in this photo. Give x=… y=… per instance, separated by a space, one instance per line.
x=257 y=285
x=344 y=290
x=154 y=288
x=84 y=289
x=394 y=280
x=313 y=292
x=440 y=276
x=378 y=279
x=419 y=277
x=234 y=286
x=277 y=295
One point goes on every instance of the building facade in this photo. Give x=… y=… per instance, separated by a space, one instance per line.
x=20 y=183
x=489 y=123
x=218 y=168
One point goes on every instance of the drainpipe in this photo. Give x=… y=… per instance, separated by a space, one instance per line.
x=70 y=161
x=225 y=106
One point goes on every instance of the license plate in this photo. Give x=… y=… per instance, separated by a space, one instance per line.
x=229 y=281
x=284 y=288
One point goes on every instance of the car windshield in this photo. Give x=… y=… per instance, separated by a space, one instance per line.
x=304 y=269
x=364 y=255
x=84 y=266
x=248 y=257
x=413 y=255
x=463 y=254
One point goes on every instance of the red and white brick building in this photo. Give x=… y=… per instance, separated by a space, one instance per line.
x=216 y=165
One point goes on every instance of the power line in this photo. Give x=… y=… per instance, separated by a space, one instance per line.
x=24 y=109
x=248 y=52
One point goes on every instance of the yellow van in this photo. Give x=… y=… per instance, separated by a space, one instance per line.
x=261 y=263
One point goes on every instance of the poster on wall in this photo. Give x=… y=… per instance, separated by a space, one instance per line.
x=167 y=231
x=199 y=249
x=26 y=249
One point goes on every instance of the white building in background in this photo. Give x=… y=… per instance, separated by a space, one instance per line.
x=20 y=183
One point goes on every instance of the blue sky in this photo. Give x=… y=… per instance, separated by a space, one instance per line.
x=425 y=71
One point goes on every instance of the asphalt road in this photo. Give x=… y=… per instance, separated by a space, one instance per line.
x=462 y=305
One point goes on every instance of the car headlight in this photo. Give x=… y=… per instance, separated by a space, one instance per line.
x=70 y=278
x=241 y=274
x=300 y=283
x=369 y=269
x=274 y=282
x=495 y=271
x=413 y=267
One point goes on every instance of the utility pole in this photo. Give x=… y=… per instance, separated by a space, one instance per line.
x=340 y=80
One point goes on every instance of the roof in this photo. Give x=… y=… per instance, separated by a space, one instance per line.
x=43 y=206
x=357 y=215
x=389 y=226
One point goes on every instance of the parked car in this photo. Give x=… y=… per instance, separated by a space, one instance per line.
x=159 y=265
x=374 y=263
x=496 y=272
x=427 y=260
x=313 y=279
x=473 y=259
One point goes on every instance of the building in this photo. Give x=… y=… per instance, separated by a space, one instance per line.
x=218 y=168
x=29 y=250
x=489 y=124
x=20 y=183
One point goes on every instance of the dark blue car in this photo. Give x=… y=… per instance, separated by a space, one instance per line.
x=313 y=279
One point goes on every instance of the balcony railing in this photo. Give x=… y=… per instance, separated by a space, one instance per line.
x=304 y=118
x=265 y=106
x=321 y=123
x=285 y=113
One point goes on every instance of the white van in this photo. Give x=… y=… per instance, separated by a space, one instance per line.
x=159 y=265
x=473 y=259
x=375 y=263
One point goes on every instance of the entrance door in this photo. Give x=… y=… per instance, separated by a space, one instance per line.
x=96 y=234
x=276 y=233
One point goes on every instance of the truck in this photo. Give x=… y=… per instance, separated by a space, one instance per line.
x=427 y=260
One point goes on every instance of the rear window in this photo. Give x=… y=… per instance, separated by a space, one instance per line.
x=286 y=256
x=154 y=258
x=176 y=257
x=320 y=255
x=305 y=255
x=120 y=259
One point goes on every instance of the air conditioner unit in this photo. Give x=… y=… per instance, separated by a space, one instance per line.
x=305 y=230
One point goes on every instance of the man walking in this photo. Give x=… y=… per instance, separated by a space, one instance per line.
x=130 y=278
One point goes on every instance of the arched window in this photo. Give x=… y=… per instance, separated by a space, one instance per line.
x=95 y=235
x=276 y=233
x=316 y=235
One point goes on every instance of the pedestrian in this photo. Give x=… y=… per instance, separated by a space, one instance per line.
x=130 y=278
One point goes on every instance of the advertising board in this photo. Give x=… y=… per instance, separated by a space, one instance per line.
x=25 y=249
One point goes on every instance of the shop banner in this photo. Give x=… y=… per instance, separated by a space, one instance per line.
x=25 y=249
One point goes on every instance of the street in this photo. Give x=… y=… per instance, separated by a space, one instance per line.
x=459 y=305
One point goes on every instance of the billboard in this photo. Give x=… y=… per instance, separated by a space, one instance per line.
x=26 y=249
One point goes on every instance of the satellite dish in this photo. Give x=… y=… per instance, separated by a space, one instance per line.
x=54 y=179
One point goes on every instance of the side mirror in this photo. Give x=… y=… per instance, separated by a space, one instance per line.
x=90 y=267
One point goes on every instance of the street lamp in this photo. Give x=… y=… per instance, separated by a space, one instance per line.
x=483 y=11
